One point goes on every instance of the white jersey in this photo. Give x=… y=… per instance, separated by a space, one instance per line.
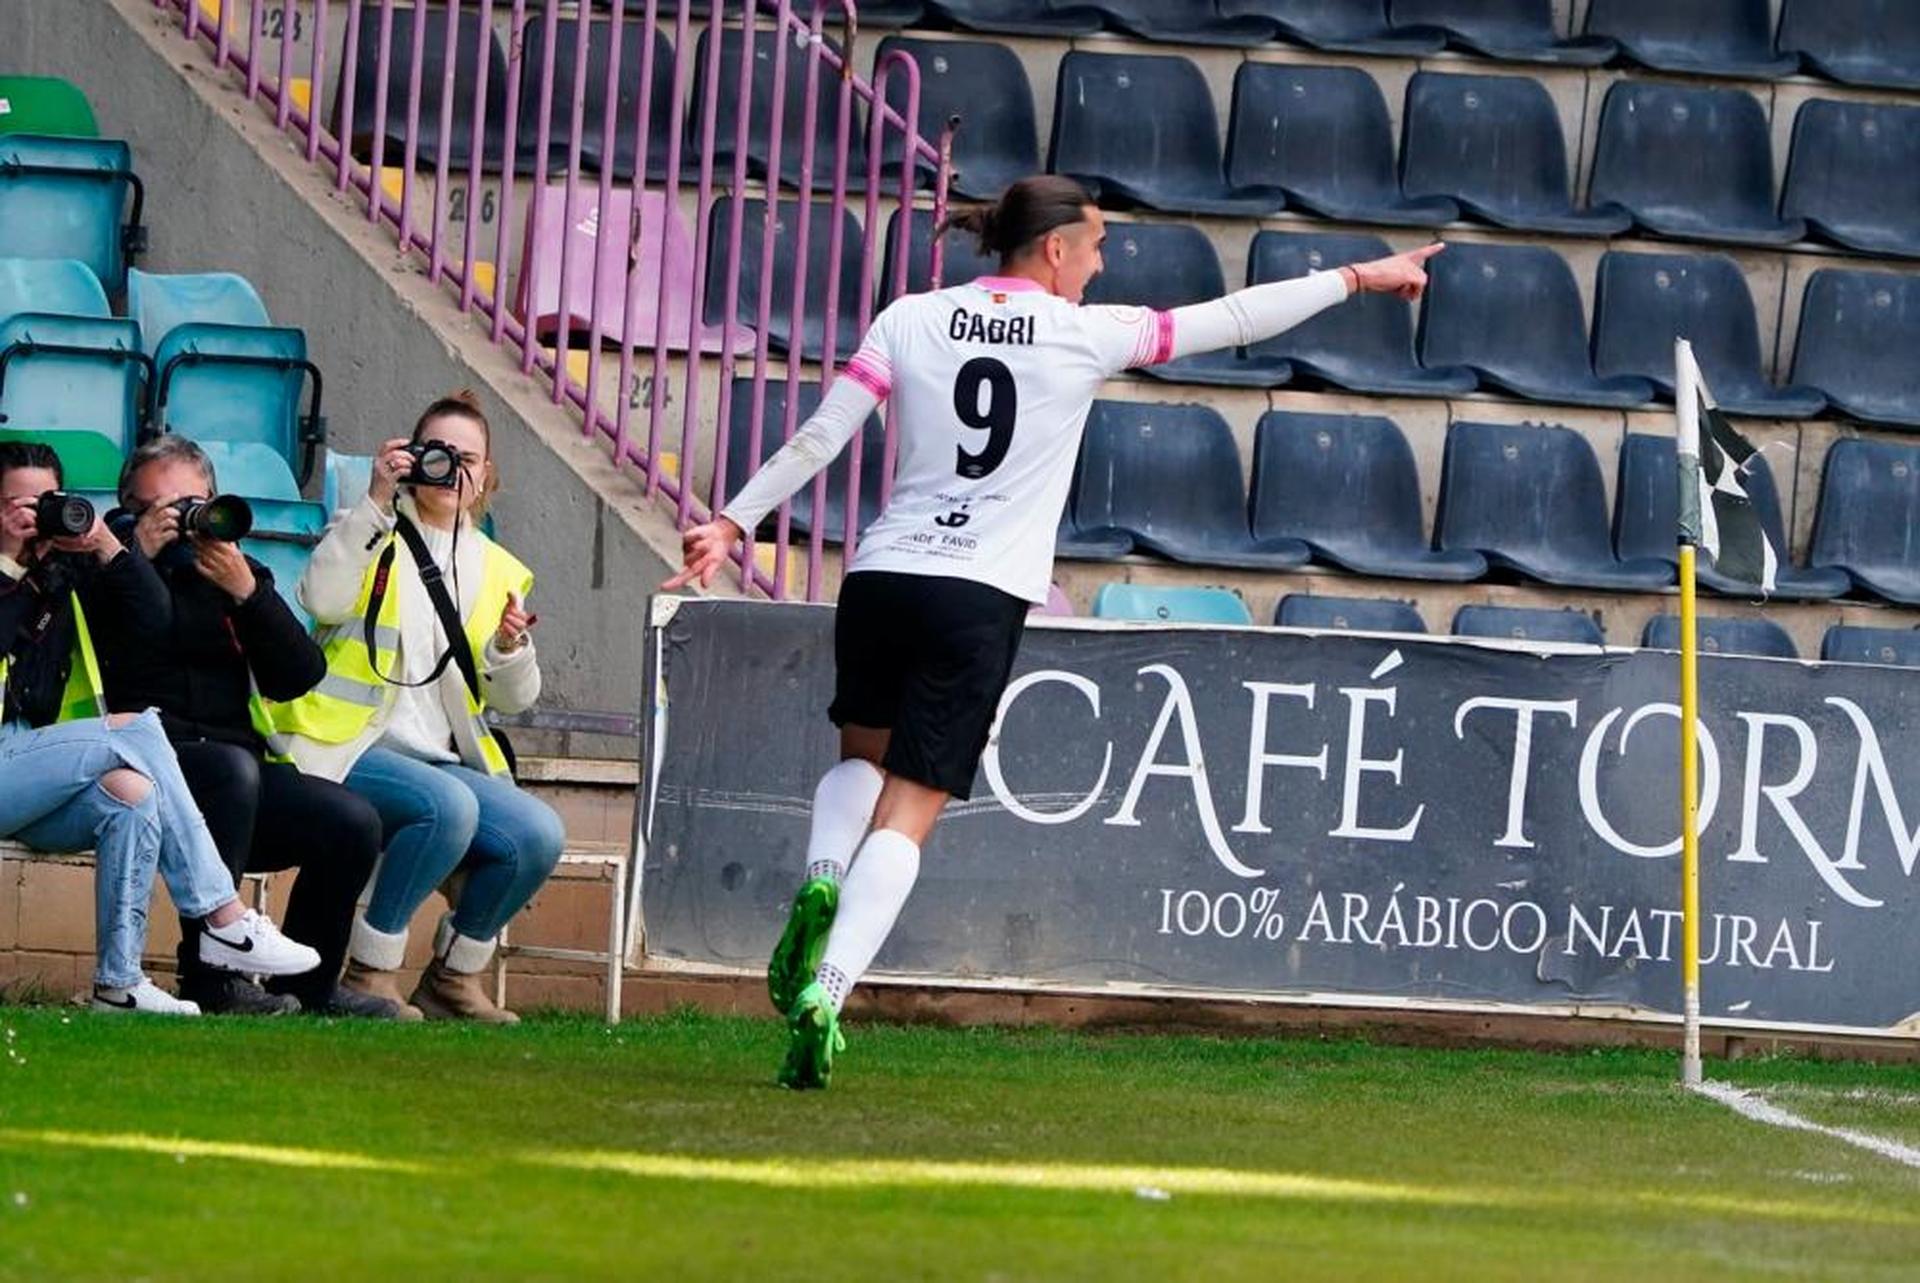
x=991 y=383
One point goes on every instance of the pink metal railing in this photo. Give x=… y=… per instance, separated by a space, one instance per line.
x=210 y=25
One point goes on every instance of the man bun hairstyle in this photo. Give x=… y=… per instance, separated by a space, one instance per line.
x=1025 y=212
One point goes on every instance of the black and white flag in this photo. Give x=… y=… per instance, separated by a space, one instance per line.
x=1716 y=512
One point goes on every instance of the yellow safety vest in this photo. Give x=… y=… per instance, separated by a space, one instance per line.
x=339 y=708
x=85 y=693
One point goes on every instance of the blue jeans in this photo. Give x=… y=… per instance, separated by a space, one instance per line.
x=439 y=816
x=53 y=801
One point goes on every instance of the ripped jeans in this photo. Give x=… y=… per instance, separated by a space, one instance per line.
x=52 y=799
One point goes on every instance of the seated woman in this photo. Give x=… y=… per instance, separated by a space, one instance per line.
x=402 y=723
x=75 y=780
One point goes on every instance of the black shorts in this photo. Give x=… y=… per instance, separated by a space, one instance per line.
x=928 y=658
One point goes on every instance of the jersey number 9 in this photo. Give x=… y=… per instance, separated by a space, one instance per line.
x=995 y=417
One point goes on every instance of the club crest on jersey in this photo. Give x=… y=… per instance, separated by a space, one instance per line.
x=971 y=327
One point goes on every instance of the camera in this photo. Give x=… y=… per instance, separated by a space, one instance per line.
x=227 y=518
x=435 y=463
x=59 y=515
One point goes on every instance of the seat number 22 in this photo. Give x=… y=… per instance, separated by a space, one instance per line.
x=985 y=400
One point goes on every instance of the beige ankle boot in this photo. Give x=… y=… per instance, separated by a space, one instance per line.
x=373 y=967
x=454 y=985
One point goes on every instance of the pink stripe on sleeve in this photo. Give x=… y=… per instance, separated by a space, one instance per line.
x=1163 y=337
x=869 y=374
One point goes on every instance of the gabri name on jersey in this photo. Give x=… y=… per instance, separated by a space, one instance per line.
x=971 y=327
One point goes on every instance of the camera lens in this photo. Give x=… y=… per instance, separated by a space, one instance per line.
x=59 y=515
x=435 y=463
x=227 y=518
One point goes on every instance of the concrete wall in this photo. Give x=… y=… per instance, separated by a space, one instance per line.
x=226 y=191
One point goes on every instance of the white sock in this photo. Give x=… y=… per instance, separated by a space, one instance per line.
x=842 y=808
x=876 y=887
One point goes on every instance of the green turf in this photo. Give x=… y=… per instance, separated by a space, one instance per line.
x=560 y=1149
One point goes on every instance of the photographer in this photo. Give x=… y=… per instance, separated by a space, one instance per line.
x=425 y=626
x=76 y=779
x=220 y=640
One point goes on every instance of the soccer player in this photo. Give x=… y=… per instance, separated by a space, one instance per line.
x=991 y=382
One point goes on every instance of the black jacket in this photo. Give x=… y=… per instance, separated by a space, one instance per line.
x=191 y=658
x=37 y=628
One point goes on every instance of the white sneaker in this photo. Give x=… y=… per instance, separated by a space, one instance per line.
x=255 y=946
x=145 y=996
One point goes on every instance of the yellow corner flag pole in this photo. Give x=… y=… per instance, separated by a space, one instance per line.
x=1687 y=430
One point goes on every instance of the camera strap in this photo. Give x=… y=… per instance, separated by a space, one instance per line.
x=458 y=650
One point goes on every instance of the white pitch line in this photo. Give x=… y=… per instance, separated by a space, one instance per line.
x=1748 y=1105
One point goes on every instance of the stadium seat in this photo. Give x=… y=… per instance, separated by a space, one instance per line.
x=1644 y=301
x=1018 y=17
x=1322 y=138
x=593 y=119
x=1691 y=163
x=65 y=287
x=1194 y=22
x=1511 y=30
x=666 y=245
x=741 y=464
x=71 y=376
x=1530 y=498
x=1646 y=520
x=1512 y=314
x=1338 y=26
x=458 y=145
x=283 y=538
x=1056 y=606
x=1701 y=38
x=1169 y=265
x=961 y=260
x=1170 y=605
x=984 y=84
x=1722 y=635
x=786 y=231
x=65 y=197
x=826 y=120
x=221 y=371
x=1858 y=333
x=1856 y=42
x=1494 y=145
x=1854 y=175
x=1869 y=510
x=1531 y=624
x=1366 y=344
x=1347 y=487
x=251 y=470
x=1071 y=543
x=1130 y=452
x=345 y=481
x=1356 y=614
x=1140 y=129
x=45 y=105
x=1851 y=644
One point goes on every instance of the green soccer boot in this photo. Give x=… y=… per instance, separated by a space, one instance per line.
x=798 y=954
x=813 y=1037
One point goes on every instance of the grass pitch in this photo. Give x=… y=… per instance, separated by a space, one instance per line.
x=294 y=1149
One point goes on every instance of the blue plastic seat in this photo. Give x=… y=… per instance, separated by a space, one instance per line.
x=1690 y=163
x=1170 y=476
x=1701 y=37
x=1869 y=513
x=1854 y=175
x=252 y=470
x=818 y=273
x=760 y=113
x=1018 y=17
x=1195 y=22
x=1857 y=42
x=1493 y=144
x=1525 y=623
x=984 y=84
x=1170 y=605
x=1348 y=614
x=1339 y=26
x=1646 y=520
x=1511 y=30
x=284 y=534
x=960 y=260
x=77 y=377
x=1347 y=487
x=1858 y=335
x=1140 y=129
x=60 y=286
x=1643 y=302
x=161 y=303
x=465 y=75
x=1722 y=635
x=344 y=483
x=1512 y=314
x=1851 y=644
x=64 y=197
x=1530 y=498
x=1321 y=137
x=1365 y=344
x=741 y=464
x=1169 y=265
x=595 y=152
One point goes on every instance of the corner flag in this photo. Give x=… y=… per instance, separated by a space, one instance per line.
x=1716 y=512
